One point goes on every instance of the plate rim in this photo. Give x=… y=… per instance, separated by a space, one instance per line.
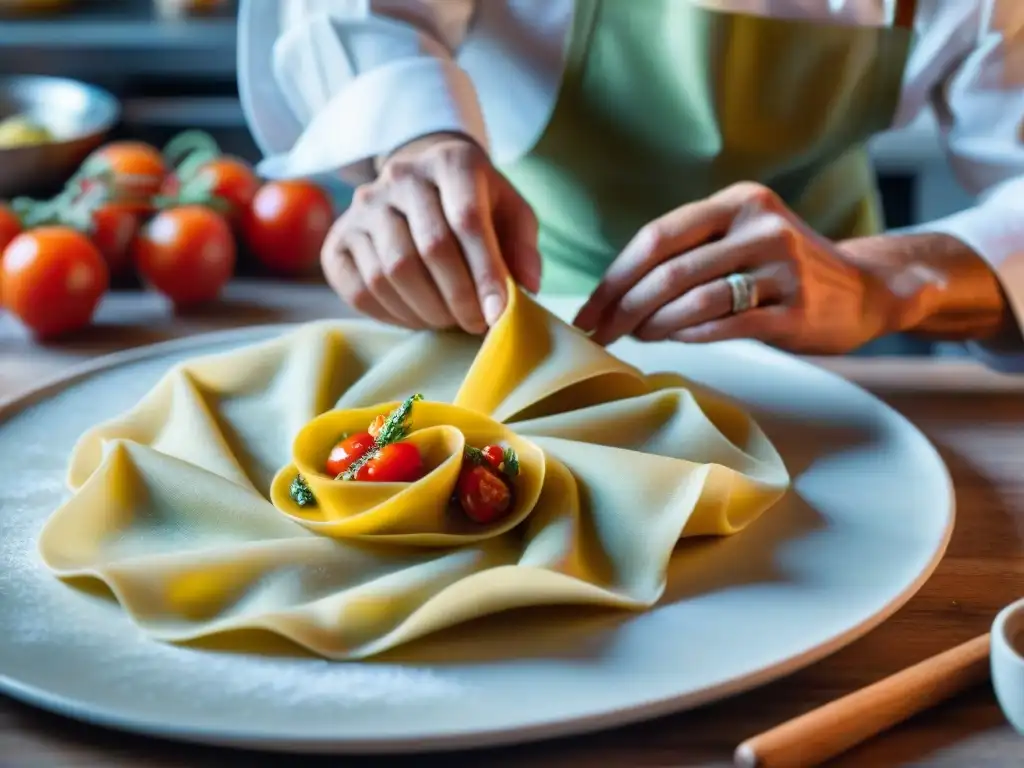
x=83 y=711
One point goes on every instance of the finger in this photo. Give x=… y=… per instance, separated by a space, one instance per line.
x=516 y=226
x=705 y=303
x=403 y=268
x=747 y=198
x=371 y=272
x=671 y=235
x=343 y=277
x=672 y=279
x=466 y=200
x=772 y=325
x=441 y=254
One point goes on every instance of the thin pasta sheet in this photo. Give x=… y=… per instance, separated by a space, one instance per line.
x=179 y=504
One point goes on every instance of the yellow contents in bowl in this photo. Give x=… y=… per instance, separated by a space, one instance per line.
x=20 y=131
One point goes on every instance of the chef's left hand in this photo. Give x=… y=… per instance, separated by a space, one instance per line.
x=670 y=282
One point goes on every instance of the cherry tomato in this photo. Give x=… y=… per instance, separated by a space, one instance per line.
x=138 y=170
x=53 y=279
x=345 y=453
x=10 y=227
x=114 y=228
x=286 y=225
x=228 y=178
x=494 y=455
x=395 y=463
x=187 y=253
x=482 y=493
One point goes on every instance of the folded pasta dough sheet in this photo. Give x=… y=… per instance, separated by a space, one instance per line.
x=178 y=508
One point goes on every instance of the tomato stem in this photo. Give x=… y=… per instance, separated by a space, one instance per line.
x=188 y=144
x=72 y=207
x=196 y=192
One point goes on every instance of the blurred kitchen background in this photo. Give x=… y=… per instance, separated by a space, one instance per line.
x=172 y=64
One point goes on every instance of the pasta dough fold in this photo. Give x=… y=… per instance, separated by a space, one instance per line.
x=180 y=505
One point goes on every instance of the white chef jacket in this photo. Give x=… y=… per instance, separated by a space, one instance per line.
x=328 y=85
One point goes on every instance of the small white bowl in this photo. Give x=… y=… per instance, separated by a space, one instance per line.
x=1007 y=655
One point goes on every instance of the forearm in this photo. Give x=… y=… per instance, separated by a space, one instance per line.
x=936 y=286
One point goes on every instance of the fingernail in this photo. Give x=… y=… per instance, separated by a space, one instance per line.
x=493 y=306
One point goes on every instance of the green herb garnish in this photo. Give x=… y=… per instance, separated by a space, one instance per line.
x=510 y=465
x=300 y=492
x=474 y=455
x=394 y=429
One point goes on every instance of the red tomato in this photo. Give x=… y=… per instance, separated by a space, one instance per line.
x=138 y=171
x=494 y=455
x=10 y=227
x=187 y=253
x=482 y=493
x=114 y=228
x=234 y=181
x=345 y=453
x=395 y=463
x=286 y=225
x=228 y=178
x=53 y=278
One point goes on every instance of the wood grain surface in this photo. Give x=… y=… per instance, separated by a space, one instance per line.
x=974 y=417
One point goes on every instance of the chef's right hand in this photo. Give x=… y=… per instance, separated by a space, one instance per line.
x=431 y=242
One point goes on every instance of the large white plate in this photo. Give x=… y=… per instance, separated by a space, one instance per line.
x=867 y=522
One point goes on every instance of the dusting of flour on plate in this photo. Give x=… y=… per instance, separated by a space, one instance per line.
x=48 y=623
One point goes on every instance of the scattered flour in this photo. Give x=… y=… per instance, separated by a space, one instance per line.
x=61 y=640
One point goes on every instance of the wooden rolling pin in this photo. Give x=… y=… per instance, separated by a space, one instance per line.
x=823 y=733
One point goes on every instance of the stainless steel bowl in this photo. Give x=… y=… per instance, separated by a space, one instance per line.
x=79 y=116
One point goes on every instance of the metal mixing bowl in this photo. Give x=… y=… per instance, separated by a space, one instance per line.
x=77 y=114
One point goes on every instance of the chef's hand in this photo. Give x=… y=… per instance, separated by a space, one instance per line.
x=431 y=242
x=670 y=282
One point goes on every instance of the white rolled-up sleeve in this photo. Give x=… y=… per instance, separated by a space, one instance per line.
x=979 y=107
x=361 y=79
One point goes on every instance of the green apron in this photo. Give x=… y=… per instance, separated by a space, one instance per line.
x=664 y=102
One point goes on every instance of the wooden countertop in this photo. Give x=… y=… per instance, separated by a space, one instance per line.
x=975 y=418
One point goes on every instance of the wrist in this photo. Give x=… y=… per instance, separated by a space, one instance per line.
x=418 y=145
x=903 y=295
x=931 y=284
